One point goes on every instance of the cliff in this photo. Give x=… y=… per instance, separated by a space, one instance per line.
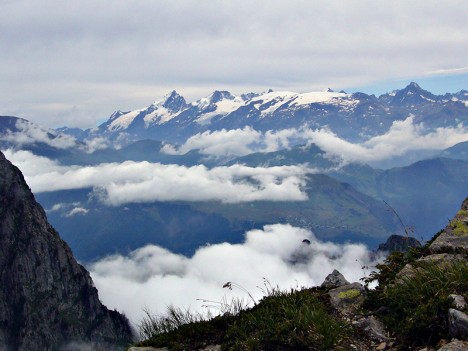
x=47 y=299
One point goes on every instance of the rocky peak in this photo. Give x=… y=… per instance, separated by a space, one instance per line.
x=174 y=102
x=47 y=299
x=220 y=95
x=399 y=243
x=413 y=94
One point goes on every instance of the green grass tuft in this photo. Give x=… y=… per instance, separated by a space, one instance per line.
x=293 y=320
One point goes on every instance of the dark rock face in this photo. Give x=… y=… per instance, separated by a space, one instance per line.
x=47 y=299
x=399 y=243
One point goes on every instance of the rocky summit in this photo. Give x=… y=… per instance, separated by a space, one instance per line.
x=47 y=300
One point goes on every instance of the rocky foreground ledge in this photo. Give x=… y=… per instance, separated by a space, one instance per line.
x=366 y=311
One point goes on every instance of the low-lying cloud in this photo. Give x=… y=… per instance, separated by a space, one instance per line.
x=155 y=278
x=120 y=183
x=30 y=133
x=402 y=137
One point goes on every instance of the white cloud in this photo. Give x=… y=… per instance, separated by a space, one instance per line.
x=236 y=142
x=30 y=133
x=402 y=137
x=153 y=277
x=77 y=210
x=130 y=181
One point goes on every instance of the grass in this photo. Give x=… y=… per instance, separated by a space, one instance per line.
x=286 y=320
x=282 y=320
x=417 y=304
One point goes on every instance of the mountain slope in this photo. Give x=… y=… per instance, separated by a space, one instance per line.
x=334 y=211
x=46 y=298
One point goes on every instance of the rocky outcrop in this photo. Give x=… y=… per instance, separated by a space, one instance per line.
x=455 y=235
x=334 y=280
x=399 y=243
x=47 y=300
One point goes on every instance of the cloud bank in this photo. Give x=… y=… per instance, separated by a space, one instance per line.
x=120 y=183
x=30 y=133
x=153 y=277
x=402 y=137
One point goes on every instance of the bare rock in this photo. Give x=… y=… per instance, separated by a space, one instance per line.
x=47 y=300
x=374 y=328
x=334 y=280
x=458 y=301
x=399 y=243
x=455 y=235
x=455 y=345
x=458 y=324
x=147 y=348
x=382 y=346
x=348 y=299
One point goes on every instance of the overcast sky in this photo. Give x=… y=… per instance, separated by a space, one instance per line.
x=75 y=62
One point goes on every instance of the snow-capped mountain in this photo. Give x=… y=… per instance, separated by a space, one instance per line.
x=354 y=116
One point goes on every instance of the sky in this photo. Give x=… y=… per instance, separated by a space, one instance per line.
x=74 y=63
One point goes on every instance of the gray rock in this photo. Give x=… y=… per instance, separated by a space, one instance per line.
x=334 y=280
x=458 y=301
x=348 y=299
x=409 y=270
x=399 y=243
x=146 y=348
x=47 y=300
x=374 y=328
x=455 y=345
x=458 y=324
x=455 y=235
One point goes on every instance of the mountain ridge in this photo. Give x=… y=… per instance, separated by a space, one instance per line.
x=47 y=299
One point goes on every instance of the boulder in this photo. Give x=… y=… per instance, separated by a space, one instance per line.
x=458 y=324
x=334 y=280
x=348 y=299
x=455 y=345
x=374 y=328
x=458 y=301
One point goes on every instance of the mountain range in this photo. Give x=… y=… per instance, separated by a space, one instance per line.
x=355 y=117
x=428 y=186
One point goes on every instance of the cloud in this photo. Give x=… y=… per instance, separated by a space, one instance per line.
x=154 y=277
x=77 y=210
x=120 y=183
x=402 y=137
x=30 y=133
x=237 y=142
x=64 y=65
x=447 y=71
